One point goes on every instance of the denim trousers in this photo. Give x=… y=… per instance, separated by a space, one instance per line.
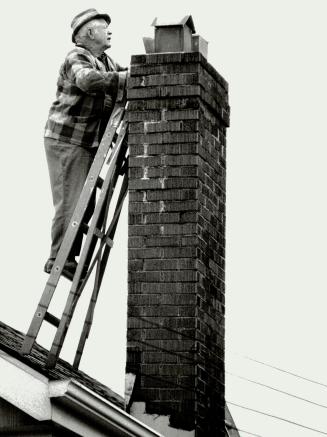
x=68 y=166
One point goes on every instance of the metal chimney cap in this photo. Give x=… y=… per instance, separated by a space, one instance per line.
x=186 y=21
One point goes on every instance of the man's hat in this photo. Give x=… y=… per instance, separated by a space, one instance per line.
x=84 y=17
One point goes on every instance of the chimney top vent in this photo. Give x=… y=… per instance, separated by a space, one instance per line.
x=186 y=21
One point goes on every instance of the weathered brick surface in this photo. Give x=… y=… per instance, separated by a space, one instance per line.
x=178 y=114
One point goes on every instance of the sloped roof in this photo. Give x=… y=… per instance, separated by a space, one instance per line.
x=11 y=341
x=231 y=429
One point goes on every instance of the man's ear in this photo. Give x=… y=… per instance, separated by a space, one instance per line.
x=90 y=33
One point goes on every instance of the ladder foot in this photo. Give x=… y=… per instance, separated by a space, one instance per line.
x=51 y=362
x=27 y=346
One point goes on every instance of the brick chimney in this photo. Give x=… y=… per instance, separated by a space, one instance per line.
x=178 y=113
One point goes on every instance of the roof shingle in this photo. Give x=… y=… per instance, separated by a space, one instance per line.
x=11 y=341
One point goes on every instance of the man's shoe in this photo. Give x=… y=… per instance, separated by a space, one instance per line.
x=48 y=265
x=68 y=271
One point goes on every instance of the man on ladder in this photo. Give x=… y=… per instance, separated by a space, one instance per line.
x=87 y=152
x=86 y=92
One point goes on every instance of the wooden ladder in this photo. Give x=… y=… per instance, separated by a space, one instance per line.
x=111 y=159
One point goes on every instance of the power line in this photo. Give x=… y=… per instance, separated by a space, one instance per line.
x=186 y=387
x=205 y=361
x=276 y=389
x=229 y=426
x=215 y=367
x=182 y=334
x=167 y=351
x=277 y=418
x=209 y=363
x=281 y=370
x=193 y=390
x=174 y=331
x=160 y=325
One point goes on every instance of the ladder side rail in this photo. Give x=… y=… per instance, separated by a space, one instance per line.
x=89 y=185
x=100 y=273
x=113 y=225
x=116 y=176
x=70 y=235
x=75 y=291
x=98 y=254
x=103 y=243
x=119 y=154
x=87 y=191
x=118 y=172
x=103 y=217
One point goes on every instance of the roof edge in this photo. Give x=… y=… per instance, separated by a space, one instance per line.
x=74 y=395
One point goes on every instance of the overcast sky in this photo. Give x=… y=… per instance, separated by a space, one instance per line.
x=273 y=54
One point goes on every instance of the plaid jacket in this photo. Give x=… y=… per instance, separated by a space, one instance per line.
x=86 y=92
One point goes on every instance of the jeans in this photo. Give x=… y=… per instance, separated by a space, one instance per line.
x=68 y=166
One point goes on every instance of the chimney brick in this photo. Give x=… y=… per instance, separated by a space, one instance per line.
x=178 y=114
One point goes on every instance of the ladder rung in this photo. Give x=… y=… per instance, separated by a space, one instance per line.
x=99 y=182
x=50 y=318
x=98 y=233
x=109 y=242
x=84 y=228
x=123 y=168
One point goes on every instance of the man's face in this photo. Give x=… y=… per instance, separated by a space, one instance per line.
x=102 y=35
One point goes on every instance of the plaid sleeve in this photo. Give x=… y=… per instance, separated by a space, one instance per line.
x=82 y=72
